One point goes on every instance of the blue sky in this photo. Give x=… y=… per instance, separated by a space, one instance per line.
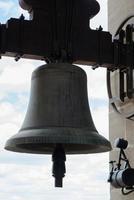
x=25 y=176
x=10 y=8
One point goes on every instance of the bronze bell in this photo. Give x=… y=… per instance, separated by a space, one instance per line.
x=58 y=114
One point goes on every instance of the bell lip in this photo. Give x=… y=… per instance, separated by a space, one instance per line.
x=21 y=141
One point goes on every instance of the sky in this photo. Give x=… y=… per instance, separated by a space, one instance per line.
x=26 y=176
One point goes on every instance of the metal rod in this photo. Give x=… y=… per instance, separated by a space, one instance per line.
x=121 y=85
x=59 y=168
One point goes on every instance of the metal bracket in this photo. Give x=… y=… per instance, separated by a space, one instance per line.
x=123 y=53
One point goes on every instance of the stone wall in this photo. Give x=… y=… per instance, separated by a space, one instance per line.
x=119 y=10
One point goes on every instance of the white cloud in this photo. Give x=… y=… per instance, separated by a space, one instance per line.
x=15 y=78
x=99 y=19
x=96 y=83
x=29 y=182
x=11 y=8
x=6 y=6
x=100 y=117
x=7 y=130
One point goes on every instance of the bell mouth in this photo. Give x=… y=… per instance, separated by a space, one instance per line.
x=41 y=148
x=43 y=141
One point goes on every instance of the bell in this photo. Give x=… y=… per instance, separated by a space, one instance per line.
x=58 y=113
x=58 y=119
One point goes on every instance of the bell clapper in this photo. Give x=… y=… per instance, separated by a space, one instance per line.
x=58 y=169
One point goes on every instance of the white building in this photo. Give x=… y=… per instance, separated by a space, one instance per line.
x=118 y=11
